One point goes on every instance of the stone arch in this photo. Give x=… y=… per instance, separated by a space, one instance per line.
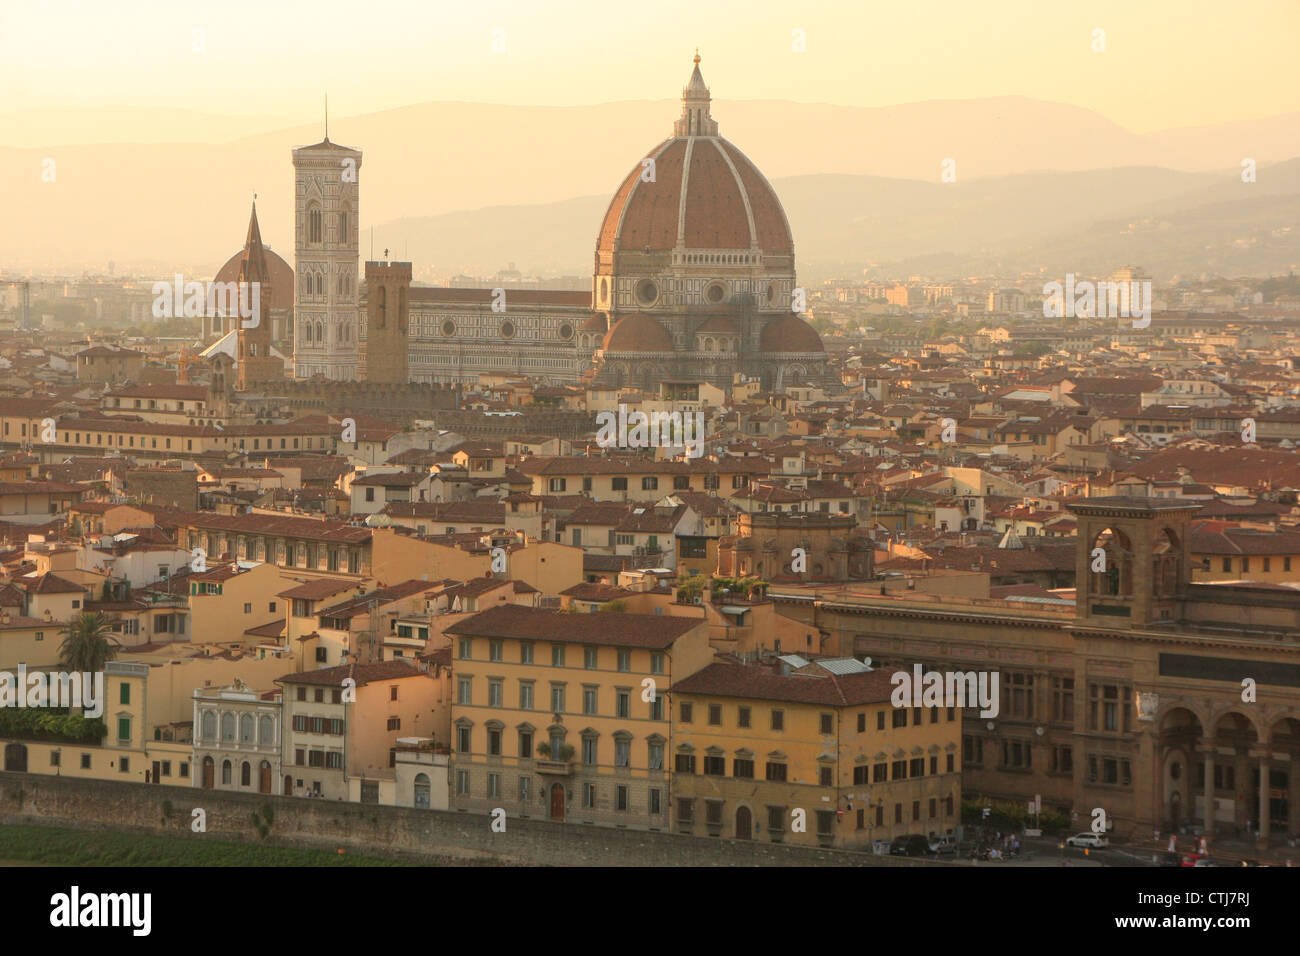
x=1115 y=575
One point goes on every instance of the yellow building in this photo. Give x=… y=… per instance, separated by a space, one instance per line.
x=343 y=723
x=127 y=751
x=563 y=715
x=811 y=753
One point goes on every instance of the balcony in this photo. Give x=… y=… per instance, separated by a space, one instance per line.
x=553 y=768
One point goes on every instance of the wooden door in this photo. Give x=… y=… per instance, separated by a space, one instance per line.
x=264 y=778
x=744 y=824
x=209 y=771
x=557 y=801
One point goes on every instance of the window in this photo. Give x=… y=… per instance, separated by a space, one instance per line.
x=656 y=663
x=589 y=795
x=684 y=763
x=525 y=653
x=462 y=782
x=85 y=761
x=649 y=483
x=685 y=712
x=742 y=717
x=898 y=770
x=776 y=771
x=623 y=704
x=825 y=822
x=656 y=801
x=715 y=766
x=900 y=717
x=776 y=822
x=525 y=695
x=588 y=699
x=685 y=810
x=949 y=764
x=657 y=708
x=824 y=776
x=495 y=692
x=778 y=721
x=618 y=484
x=495 y=650
x=1063 y=699
x=463 y=690
x=620 y=797
x=557 y=698
x=124 y=693
x=916 y=768
x=526 y=744
x=625 y=660
x=464 y=646
x=622 y=752
x=557 y=655
x=715 y=715
x=880 y=720
x=589 y=658
x=462 y=739
x=827 y=724
x=656 y=756
x=862 y=723
x=494 y=741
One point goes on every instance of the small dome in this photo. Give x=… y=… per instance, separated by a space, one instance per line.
x=790 y=333
x=639 y=332
x=599 y=322
x=282 y=278
x=717 y=325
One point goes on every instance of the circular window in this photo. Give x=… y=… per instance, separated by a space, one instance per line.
x=715 y=293
x=646 y=292
x=449 y=327
x=566 y=331
x=507 y=329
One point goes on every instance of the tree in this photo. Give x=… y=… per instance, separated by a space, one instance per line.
x=87 y=645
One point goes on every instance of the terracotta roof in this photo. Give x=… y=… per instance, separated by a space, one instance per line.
x=789 y=333
x=812 y=686
x=361 y=673
x=637 y=332
x=317 y=590
x=607 y=628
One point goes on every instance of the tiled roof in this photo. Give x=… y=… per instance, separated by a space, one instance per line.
x=361 y=673
x=607 y=628
x=810 y=686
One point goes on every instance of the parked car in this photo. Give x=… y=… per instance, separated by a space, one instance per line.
x=911 y=845
x=943 y=845
x=1087 y=839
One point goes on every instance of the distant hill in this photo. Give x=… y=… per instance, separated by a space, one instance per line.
x=1089 y=222
x=172 y=202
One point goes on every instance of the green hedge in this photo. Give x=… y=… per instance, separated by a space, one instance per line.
x=27 y=723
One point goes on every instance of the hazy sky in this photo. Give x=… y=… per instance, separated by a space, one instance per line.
x=1167 y=62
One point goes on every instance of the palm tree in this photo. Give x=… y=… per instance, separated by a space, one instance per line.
x=86 y=643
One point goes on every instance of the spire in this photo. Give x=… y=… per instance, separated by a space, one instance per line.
x=253 y=265
x=327 y=117
x=695 y=120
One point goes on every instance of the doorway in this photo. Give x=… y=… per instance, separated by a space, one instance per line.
x=557 y=801
x=264 y=778
x=209 y=773
x=744 y=824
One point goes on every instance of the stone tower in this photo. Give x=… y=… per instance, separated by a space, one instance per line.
x=326 y=200
x=388 y=287
x=254 y=363
x=1131 y=559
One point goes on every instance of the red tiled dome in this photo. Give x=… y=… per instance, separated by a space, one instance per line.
x=718 y=325
x=728 y=203
x=790 y=333
x=599 y=322
x=638 y=332
x=281 y=278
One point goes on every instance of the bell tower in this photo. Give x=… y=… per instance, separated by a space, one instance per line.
x=254 y=362
x=388 y=287
x=1131 y=562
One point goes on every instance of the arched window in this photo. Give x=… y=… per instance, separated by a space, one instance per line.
x=245 y=775
x=421 y=794
x=381 y=311
x=313 y=224
x=227 y=726
x=266 y=735
x=246 y=729
x=343 y=223
x=209 y=725
x=225 y=771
